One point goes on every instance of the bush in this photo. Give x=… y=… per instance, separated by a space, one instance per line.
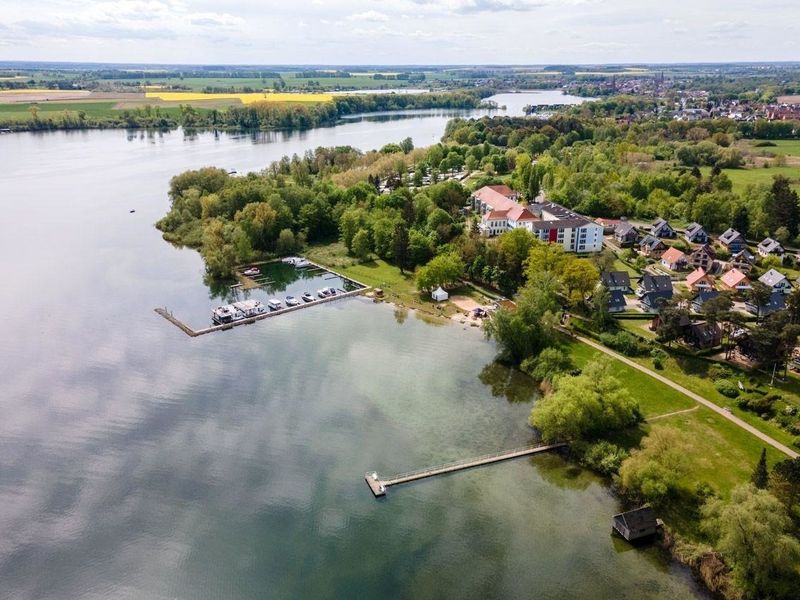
x=759 y=404
x=604 y=457
x=626 y=343
x=727 y=388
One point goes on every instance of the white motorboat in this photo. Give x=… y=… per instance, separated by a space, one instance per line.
x=292 y=301
x=274 y=304
x=251 y=271
x=307 y=297
x=250 y=307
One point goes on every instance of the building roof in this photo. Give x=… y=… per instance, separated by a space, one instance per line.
x=660 y=223
x=704 y=296
x=650 y=242
x=705 y=332
x=772 y=278
x=562 y=224
x=696 y=275
x=673 y=255
x=777 y=301
x=652 y=298
x=504 y=190
x=692 y=229
x=494 y=199
x=637 y=519
x=615 y=279
x=705 y=249
x=520 y=213
x=744 y=255
x=769 y=246
x=734 y=277
x=607 y=222
x=730 y=236
x=616 y=299
x=624 y=228
x=656 y=283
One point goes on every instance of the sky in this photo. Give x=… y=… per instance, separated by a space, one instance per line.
x=386 y=32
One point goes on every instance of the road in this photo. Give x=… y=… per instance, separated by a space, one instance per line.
x=707 y=403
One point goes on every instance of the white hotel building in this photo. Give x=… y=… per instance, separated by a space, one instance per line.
x=549 y=222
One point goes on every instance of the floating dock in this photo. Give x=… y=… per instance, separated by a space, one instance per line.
x=379 y=485
x=273 y=313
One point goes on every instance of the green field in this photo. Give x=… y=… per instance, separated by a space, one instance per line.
x=787 y=147
x=741 y=178
x=22 y=111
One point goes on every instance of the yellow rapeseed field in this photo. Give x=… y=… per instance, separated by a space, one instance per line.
x=243 y=98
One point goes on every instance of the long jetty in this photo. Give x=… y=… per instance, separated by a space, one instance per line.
x=379 y=485
x=167 y=314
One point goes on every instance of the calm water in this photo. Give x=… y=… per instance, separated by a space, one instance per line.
x=136 y=462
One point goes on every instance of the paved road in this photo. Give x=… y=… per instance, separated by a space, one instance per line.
x=707 y=403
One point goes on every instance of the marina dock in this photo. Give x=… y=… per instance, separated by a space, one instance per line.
x=167 y=314
x=379 y=485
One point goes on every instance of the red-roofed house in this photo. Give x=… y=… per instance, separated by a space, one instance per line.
x=699 y=280
x=674 y=260
x=735 y=280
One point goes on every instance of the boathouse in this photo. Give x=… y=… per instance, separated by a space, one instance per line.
x=636 y=524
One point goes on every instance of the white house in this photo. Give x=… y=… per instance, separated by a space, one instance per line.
x=776 y=281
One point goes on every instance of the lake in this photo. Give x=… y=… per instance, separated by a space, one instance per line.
x=136 y=462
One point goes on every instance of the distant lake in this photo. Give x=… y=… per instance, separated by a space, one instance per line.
x=136 y=462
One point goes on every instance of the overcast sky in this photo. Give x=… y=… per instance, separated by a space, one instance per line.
x=399 y=31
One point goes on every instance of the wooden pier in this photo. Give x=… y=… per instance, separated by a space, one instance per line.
x=272 y=313
x=379 y=485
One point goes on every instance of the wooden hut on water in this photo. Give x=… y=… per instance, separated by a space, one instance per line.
x=636 y=524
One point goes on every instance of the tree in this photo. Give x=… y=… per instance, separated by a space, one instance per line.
x=513 y=248
x=781 y=206
x=671 y=322
x=793 y=305
x=545 y=257
x=740 y=220
x=601 y=316
x=784 y=483
x=653 y=472
x=585 y=405
x=260 y=222
x=550 y=363
x=361 y=245
x=579 y=277
x=401 y=253
x=760 y=475
x=759 y=294
x=420 y=247
x=286 y=242
x=443 y=270
x=753 y=534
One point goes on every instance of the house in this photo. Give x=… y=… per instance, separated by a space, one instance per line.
x=777 y=301
x=703 y=335
x=636 y=524
x=776 y=281
x=733 y=240
x=699 y=280
x=439 y=294
x=703 y=258
x=608 y=225
x=735 y=281
x=626 y=234
x=499 y=210
x=674 y=260
x=616 y=301
x=702 y=297
x=652 y=246
x=663 y=229
x=695 y=234
x=616 y=281
x=769 y=246
x=556 y=224
x=743 y=261
x=654 y=283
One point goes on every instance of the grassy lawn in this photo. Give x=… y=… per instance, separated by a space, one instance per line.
x=22 y=111
x=741 y=178
x=637 y=326
x=787 y=147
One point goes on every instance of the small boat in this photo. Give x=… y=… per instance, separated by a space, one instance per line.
x=251 y=271
x=223 y=314
x=274 y=304
x=307 y=297
x=301 y=263
x=331 y=291
x=250 y=308
x=292 y=301
x=323 y=293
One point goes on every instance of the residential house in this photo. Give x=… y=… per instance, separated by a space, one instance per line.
x=777 y=301
x=736 y=281
x=695 y=234
x=652 y=246
x=743 y=261
x=733 y=240
x=769 y=246
x=703 y=258
x=636 y=524
x=703 y=335
x=626 y=234
x=653 y=291
x=663 y=229
x=674 y=260
x=500 y=210
x=699 y=280
x=776 y=281
x=616 y=301
x=616 y=281
x=701 y=298
x=608 y=224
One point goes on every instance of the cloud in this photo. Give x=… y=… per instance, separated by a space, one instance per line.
x=370 y=15
x=477 y=6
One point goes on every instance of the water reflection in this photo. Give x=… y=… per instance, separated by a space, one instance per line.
x=512 y=384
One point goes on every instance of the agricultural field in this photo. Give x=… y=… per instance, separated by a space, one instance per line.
x=785 y=147
x=22 y=111
x=191 y=97
x=741 y=178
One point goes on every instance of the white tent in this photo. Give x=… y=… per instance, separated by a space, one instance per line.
x=439 y=294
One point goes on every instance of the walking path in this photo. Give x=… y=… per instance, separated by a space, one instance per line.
x=672 y=414
x=697 y=398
